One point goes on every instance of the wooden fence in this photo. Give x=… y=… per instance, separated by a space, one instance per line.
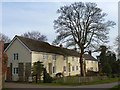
x=78 y=79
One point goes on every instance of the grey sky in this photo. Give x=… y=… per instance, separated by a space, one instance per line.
x=20 y=17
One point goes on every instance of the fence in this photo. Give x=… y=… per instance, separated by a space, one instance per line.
x=78 y=79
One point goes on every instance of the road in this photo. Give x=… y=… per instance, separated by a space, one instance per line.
x=20 y=85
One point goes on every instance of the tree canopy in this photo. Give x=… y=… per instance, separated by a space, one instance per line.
x=108 y=61
x=35 y=35
x=81 y=24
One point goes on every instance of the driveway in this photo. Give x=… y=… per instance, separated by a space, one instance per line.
x=20 y=85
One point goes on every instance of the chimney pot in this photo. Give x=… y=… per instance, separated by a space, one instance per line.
x=61 y=45
x=89 y=52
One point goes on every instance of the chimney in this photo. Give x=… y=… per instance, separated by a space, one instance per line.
x=61 y=45
x=89 y=52
x=75 y=49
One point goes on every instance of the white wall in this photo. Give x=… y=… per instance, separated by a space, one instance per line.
x=24 y=56
x=93 y=64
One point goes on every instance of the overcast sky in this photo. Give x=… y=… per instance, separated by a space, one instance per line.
x=19 y=17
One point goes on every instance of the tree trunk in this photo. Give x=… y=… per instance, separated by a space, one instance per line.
x=82 y=72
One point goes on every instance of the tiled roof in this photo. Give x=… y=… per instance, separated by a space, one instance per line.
x=40 y=46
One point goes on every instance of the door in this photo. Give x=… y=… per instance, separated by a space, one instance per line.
x=50 y=68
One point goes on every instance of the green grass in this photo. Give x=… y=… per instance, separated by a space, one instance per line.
x=116 y=87
x=110 y=80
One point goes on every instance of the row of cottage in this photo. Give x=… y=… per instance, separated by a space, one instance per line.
x=23 y=52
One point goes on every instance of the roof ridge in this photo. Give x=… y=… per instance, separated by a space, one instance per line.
x=41 y=46
x=45 y=42
x=31 y=39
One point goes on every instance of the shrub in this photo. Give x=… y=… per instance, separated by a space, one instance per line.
x=46 y=77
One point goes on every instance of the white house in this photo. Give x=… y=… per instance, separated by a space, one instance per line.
x=23 y=52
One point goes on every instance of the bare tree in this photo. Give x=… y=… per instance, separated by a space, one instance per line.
x=81 y=24
x=4 y=38
x=35 y=35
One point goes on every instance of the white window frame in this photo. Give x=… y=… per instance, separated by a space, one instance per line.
x=54 y=57
x=45 y=56
x=15 y=70
x=64 y=68
x=73 y=68
x=15 y=56
x=77 y=68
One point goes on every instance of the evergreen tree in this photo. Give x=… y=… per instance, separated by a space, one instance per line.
x=38 y=68
x=46 y=77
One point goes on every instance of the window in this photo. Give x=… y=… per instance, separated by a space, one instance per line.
x=15 y=56
x=69 y=67
x=54 y=57
x=72 y=58
x=53 y=69
x=64 y=68
x=72 y=68
x=76 y=67
x=45 y=56
x=65 y=57
x=91 y=68
x=15 y=70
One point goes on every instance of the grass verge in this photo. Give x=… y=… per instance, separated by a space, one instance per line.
x=110 y=80
x=116 y=87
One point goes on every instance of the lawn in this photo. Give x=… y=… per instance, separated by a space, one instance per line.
x=110 y=80
x=116 y=87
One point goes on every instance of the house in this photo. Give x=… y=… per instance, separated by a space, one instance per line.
x=23 y=52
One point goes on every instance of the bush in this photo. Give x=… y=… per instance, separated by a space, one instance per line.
x=46 y=77
x=91 y=73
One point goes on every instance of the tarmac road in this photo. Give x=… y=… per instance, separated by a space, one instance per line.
x=24 y=85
